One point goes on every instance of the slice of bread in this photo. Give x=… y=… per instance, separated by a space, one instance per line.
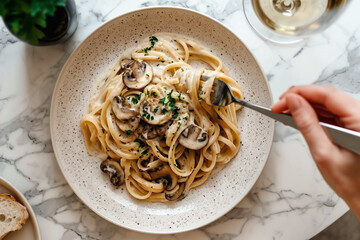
x=12 y=214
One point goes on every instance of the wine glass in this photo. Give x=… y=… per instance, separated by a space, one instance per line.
x=291 y=21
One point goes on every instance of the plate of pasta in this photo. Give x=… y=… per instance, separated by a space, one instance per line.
x=133 y=128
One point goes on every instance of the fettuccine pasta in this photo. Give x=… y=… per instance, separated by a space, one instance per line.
x=152 y=123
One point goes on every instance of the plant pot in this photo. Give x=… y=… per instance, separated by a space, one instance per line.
x=59 y=27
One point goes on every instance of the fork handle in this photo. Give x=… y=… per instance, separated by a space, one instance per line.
x=343 y=137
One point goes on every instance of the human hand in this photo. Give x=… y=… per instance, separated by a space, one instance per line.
x=339 y=167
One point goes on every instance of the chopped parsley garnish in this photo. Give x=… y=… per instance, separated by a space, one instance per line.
x=171 y=101
x=111 y=114
x=175 y=115
x=145 y=152
x=128 y=132
x=147 y=116
x=134 y=101
x=147 y=75
x=152 y=40
x=155 y=110
x=141 y=143
x=172 y=107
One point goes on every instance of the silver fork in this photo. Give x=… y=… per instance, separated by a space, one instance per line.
x=222 y=96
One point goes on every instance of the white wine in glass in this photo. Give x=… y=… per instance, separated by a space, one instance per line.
x=290 y=21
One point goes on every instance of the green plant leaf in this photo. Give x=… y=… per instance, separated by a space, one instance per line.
x=3 y=10
x=61 y=3
x=15 y=26
x=45 y=7
x=23 y=7
x=24 y=17
x=40 y=20
x=29 y=31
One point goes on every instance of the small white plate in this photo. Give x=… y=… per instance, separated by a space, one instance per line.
x=94 y=57
x=30 y=230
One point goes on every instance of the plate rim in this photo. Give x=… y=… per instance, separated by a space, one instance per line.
x=52 y=115
x=22 y=199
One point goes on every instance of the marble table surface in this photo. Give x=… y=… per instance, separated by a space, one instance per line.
x=289 y=201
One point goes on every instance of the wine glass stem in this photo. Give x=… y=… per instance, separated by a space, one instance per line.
x=287 y=7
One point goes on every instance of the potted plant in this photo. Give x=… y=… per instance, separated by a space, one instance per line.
x=40 y=22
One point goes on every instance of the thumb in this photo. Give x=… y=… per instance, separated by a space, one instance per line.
x=308 y=124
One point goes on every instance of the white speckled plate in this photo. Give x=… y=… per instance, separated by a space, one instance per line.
x=96 y=55
x=30 y=230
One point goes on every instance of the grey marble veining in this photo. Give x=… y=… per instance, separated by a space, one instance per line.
x=345 y=77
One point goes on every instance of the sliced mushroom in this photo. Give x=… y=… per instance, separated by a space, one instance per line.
x=149 y=132
x=114 y=170
x=162 y=142
x=154 y=113
x=125 y=62
x=128 y=125
x=204 y=77
x=144 y=163
x=194 y=137
x=161 y=172
x=122 y=109
x=161 y=130
x=137 y=74
x=177 y=193
x=153 y=131
x=123 y=65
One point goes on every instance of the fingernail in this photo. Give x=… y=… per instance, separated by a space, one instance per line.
x=293 y=102
x=277 y=103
